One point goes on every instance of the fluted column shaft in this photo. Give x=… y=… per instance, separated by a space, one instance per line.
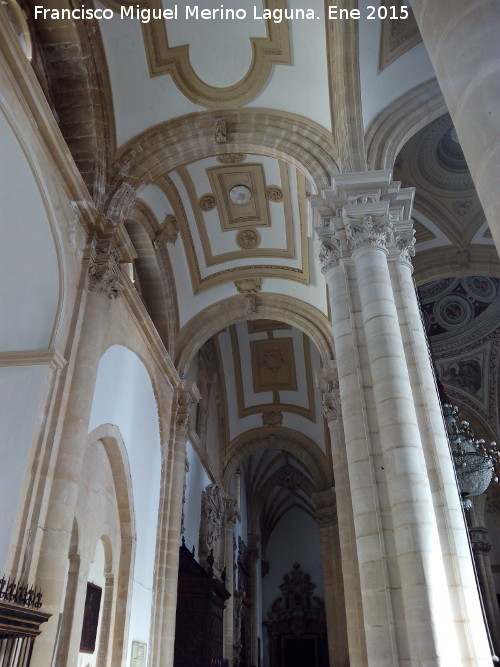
x=461 y=37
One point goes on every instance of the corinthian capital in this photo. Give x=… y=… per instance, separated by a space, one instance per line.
x=104 y=270
x=329 y=255
x=368 y=231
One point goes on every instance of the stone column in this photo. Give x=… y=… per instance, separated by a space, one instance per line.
x=230 y=518
x=326 y=516
x=462 y=584
x=349 y=589
x=408 y=613
x=169 y=527
x=106 y=619
x=461 y=37
x=103 y=285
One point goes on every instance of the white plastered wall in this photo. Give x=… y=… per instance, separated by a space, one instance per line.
x=124 y=396
x=27 y=241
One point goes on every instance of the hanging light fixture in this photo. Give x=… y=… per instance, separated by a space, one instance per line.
x=476 y=463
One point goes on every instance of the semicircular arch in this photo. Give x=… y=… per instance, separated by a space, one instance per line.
x=286 y=439
x=282 y=308
x=399 y=121
x=178 y=142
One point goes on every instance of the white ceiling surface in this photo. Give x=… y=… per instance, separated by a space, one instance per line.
x=441 y=238
x=237 y=426
x=189 y=304
x=378 y=90
x=220 y=53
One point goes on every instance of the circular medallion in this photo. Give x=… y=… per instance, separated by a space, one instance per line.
x=240 y=194
x=274 y=193
x=207 y=202
x=481 y=288
x=453 y=311
x=248 y=239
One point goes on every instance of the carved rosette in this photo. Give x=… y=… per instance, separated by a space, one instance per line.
x=368 y=231
x=329 y=256
x=207 y=202
x=104 y=270
x=274 y=193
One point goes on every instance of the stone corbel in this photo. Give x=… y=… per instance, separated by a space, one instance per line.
x=186 y=394
x=104 y=276
x=326 y=507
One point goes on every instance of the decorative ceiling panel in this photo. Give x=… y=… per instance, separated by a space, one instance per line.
x=219 y=232
x=240 y=195
x=273 y=365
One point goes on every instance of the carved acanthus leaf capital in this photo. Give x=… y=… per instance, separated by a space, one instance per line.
x=405 y=243
x=368 y=231
x=104 y=270
x=329 y=255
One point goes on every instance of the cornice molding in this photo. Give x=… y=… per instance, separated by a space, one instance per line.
x=51 y=358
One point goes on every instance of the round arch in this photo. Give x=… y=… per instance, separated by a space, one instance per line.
x=286 y=439
x=109 y=435
x=270 y=306
x=177 y=142
x=399 y=121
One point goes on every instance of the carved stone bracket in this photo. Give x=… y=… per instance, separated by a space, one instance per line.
x=187 y=394
x=249 y=288
x=478 y=540
x=326 y=380
x=231 y=514
x=326 y=507
x=104 y=270
x=168 y=231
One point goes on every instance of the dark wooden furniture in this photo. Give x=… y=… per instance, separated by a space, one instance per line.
x=199 y=632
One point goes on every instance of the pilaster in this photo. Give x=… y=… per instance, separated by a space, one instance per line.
x=169 y=526
x=102 y=281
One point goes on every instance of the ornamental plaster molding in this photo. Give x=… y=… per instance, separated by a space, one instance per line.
x=274 y=49
x=104 y=276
